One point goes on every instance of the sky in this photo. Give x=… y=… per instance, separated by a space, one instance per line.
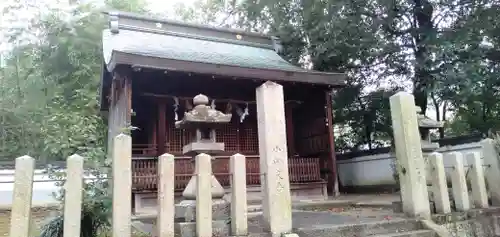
x=165 y=5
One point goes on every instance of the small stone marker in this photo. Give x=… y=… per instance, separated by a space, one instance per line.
x=478 y=185
x=239 y=221
x=492 y=162
x=411 y=170
x=122 y=185
x=73 y=196
x=275 y=181
x=203 y=197
x=21 y=200
x=439 y=184
x=166 y=203
x=458 y=181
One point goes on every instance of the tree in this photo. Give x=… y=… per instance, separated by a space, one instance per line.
x=50 y=101
x=433 y=44
x=50 y=85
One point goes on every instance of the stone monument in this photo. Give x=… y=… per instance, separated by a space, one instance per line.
x=202 y=121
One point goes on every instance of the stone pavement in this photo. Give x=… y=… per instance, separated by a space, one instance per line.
x=314 y=213
x=312 y=219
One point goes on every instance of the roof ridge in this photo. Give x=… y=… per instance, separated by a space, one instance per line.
x=136 y=22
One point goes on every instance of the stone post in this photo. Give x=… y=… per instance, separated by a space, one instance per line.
x=239 y=222
x=122 y=185
x=166 y=189
x=21 y=200
x=73 y=196
x=203 y=198
x=274 y=158
x=492 y=161
x=477 y=182
x=459 y=182
x=439 y=184
x=411 y=166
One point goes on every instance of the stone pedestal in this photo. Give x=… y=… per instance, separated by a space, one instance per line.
x=185 y=212
x=189 y=192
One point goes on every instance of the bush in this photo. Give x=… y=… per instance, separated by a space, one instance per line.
x=96 y=207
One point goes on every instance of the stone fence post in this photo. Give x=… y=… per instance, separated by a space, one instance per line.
x=492 y=162
x=458 y=181
x=239 y=225
x=439 y=184
x=73 y=196
x=203 y=167
x=20 y=219
x=477 y=182
x=122 y=186
x=166 y=189
x=411 y=166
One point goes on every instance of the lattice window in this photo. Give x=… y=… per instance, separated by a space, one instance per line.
x=249 y=142
x=174 y=136
x=228 y=134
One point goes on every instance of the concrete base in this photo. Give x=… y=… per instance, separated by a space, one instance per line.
x=146 y=203
x=185 y=211
x=188 y=229
x=185 y=218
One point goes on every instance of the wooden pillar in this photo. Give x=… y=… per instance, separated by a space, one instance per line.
x=331 y=142
x=290 y=129
x=120 y=107
x=162 y=128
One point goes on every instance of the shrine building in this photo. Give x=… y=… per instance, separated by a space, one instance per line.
x=152 y=70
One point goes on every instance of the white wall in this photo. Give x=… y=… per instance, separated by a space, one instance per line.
x=373 y=170
x=42 y=191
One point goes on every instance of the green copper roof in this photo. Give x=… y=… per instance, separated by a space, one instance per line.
x=192 y=49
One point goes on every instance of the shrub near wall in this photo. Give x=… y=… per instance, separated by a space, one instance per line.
x=40 y=214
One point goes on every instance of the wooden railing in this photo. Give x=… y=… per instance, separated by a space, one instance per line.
x=144 y=171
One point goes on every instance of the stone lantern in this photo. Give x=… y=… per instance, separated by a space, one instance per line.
x=425 y=125
x=202 y=122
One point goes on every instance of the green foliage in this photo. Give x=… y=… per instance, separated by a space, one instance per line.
x=49 y=107
x=447 y=50
x=96 y=208
x=49 y=86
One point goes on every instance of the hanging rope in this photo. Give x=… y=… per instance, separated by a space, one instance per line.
x=219 y=100
x=176 y=107
x=242 y=113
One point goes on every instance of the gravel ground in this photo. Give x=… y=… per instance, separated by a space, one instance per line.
x=321 y=217
x=332 y=216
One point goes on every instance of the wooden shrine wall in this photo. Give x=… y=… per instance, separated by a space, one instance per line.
x=238 y=137
x=311 y=134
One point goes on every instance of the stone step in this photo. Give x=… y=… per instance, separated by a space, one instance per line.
x=254 y=214
x=255 y=201
x=381 y=228
x=254 y=208
x=413 y=233
x=496 y=225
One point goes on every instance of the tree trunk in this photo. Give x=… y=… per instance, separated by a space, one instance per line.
x=424 y=31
